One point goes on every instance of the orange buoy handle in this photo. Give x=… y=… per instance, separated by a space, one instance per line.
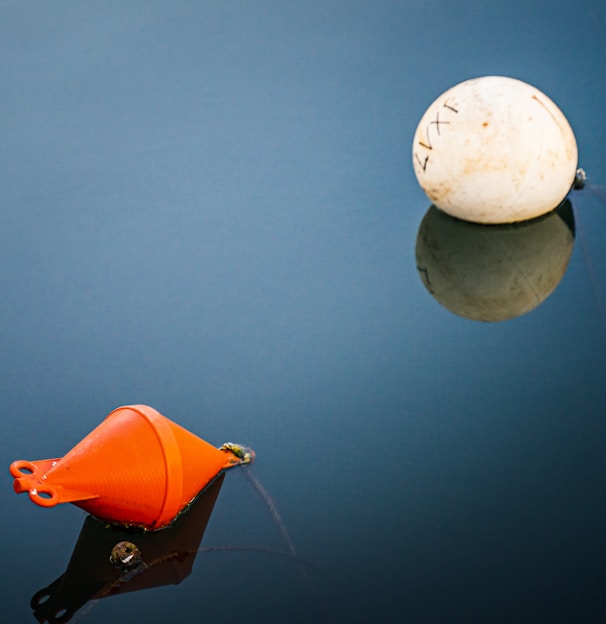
x=30 y=477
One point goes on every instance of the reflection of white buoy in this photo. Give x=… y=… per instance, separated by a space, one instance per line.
x=494 y=150
x=493 y=272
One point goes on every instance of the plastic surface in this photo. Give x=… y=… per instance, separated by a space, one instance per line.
x=494 y=150
x=136 y=468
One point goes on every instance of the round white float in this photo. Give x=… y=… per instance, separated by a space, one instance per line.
x=494 y=150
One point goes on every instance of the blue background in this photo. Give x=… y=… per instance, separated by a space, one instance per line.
x=210 y=207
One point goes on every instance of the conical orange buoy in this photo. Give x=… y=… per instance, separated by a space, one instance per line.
x=136 y=468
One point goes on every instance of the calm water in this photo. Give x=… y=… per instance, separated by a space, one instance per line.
x=209 y=207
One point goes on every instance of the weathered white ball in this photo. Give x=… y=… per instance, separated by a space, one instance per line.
x=494 y=150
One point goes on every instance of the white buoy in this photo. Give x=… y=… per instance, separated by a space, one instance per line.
x=494 y=150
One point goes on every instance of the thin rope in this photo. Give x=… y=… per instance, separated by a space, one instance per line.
x=595 y=288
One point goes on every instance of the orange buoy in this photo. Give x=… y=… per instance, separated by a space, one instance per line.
x=136 y=468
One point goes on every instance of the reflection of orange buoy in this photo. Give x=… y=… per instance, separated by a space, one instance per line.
x=163 y=558
x=136 y=468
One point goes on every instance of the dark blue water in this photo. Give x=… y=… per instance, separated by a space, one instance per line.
x=210 y=208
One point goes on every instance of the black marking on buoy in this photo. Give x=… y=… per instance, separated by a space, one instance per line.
x=423 y=164
x=452 y=108
x=437 y=122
